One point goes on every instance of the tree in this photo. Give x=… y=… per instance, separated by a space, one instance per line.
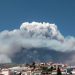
x=47 y=70
x=50 y=69
x=59 y=71
x=33 y=65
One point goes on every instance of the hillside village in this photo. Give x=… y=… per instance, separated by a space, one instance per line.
x=49 y=68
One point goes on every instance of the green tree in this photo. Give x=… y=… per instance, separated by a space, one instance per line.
x=33 y=65
x=47 y=70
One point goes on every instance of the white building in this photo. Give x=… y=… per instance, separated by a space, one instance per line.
x=5 y=72
x=36 y=73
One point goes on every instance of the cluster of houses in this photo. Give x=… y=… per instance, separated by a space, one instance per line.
x=36 y=69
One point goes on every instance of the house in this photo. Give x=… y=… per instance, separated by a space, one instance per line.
x=5 y=72
x=36 y=73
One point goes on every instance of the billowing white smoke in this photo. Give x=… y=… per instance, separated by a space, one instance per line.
x=42 y=30
x=33 y=35
x=4 y=59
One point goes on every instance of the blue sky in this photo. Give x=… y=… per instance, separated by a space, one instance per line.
x=60 y=12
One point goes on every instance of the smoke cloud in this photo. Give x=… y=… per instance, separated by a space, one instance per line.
x=33 y=35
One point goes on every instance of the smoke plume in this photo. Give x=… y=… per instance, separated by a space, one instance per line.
x=33 y=35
